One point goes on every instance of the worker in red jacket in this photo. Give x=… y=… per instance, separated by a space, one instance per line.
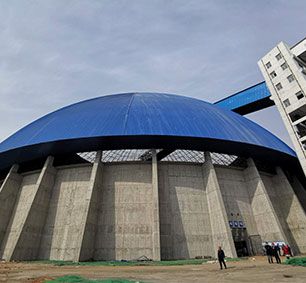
x=286 y=251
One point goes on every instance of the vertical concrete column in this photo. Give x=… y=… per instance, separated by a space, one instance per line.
x=267 y=222
x=220 y=230
x=8 y=196
x=293 y=214
x=24 y=236
x=155 y=209
x=89 y=219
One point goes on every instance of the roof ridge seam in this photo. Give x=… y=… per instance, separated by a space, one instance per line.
x=127 y=113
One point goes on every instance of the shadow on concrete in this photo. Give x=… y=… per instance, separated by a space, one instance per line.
x=173 y=237
x=57 y=217
x=48 y=231
x=7 y=231
x=282 y=209
x=88 y=243
x=180 y=247
x=105 y=242
x=299 y=191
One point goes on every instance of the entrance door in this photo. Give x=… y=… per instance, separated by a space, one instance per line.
x=240 y=241
x=241 y=248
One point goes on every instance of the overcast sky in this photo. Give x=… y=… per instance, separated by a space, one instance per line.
x=54 y=53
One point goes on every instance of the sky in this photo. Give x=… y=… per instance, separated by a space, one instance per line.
x=54 y=53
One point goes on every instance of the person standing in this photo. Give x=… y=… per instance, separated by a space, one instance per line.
x=275 y=253
x=287 y=251
x=278 y=249
x=269 y=252
x=221 y=256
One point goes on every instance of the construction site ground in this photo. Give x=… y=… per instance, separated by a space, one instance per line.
x=249 y=270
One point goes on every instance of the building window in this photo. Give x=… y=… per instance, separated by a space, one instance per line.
x=299 y=95
x=268 y=65
x=290 y=78
x=273 y=74
x=279 y=86
x=286 y=102
x=279 y=56
x=284 y=66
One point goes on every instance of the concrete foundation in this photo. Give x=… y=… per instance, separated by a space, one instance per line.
x=161 y=210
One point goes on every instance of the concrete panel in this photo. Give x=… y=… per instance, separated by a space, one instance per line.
x=8 y=195
x=27 y=246
x=155 y=210
x=220 y=230
x=26 y=195
x=135 y=209
x=89 y=222
x=125 y=212
x=184 y=218
x=62 y=232
x=300 y=191
x=267 y=222
x=236 y=198
x=289 y=210
x=238 y=205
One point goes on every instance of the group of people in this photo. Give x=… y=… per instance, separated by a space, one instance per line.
x=274 y=251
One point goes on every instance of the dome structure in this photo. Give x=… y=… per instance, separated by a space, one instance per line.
x=154 y=175
x=140 y=120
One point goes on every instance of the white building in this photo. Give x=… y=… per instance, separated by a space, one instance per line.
x=284 y=70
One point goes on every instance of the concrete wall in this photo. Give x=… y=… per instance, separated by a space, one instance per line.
x=236 y=197
x=62 y=232
x=288 y=209
x=89 y=220
x=125 y=213
x=268 y=224
x=27 y=192
x=184 y=218
x=254 y=198
x=299 y=191
x=220 y=230
x=8 y=195
x=30 y=234
x=115 y=211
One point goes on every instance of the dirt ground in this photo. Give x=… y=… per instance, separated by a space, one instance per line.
x=257 y=270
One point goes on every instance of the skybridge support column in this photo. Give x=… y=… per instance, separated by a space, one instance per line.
x=155 y=210
x=90 y=217
x=8 y=196
x=24 y=233
x=267 y=221
x=220 y=230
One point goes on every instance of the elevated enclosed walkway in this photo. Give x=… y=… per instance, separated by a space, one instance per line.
x=249 y=100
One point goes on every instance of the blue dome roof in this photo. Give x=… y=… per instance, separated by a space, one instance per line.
x=144 y=114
